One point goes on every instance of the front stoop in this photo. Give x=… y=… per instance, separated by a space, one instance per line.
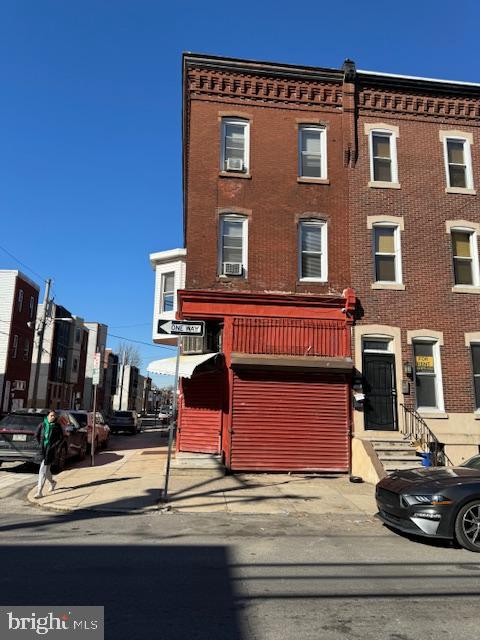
x=205 y=464
x=395 y=453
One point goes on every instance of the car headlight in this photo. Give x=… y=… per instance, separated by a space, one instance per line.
x=433 y=499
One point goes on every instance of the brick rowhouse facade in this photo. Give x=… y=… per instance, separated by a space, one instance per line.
x=423 y=306
x=23 y=308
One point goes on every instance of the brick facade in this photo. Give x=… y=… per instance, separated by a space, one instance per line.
x=276 y=99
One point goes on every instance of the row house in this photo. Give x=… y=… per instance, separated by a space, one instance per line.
x=18 y=309
x=61 y=370
x=331 y=227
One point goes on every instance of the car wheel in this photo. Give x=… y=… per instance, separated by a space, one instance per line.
x=82 y=454
x=61 y=460
x=467 y=526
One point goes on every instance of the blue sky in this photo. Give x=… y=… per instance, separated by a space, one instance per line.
x=90 y=120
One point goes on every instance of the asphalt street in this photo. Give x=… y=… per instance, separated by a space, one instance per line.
x=219 y=576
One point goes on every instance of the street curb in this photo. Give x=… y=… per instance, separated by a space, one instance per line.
x=60 y=509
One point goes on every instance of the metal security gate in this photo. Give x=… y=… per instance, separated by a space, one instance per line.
x=200 y=417
x=290 y=421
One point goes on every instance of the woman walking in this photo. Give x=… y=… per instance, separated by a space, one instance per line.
x=49 y=435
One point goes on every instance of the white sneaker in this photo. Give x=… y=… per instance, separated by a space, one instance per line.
x=38 y=495
x=53 y=485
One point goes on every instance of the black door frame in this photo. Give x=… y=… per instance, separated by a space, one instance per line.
x=391 y=356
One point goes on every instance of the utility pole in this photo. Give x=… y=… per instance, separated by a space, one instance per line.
x=40 y=335
x=124 y=355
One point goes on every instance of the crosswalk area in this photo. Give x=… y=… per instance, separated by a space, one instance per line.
x=10 y=479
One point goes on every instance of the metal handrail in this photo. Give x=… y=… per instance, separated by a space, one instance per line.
x=415 y=428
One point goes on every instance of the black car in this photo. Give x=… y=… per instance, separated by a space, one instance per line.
x=123 y=421
x=19 y=444
x=437 y=502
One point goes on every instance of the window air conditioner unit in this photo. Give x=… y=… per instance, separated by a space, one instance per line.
x=234 y=164
x=232 y=268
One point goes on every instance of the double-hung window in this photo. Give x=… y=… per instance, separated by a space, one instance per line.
x=235 y=145
x=465 y=257
x=14 y=346
x=386 y=247
x=167 y=292
x=26 y=349
x=20 y=301
x=382 y=143
x=233 y=246
x=458 y=162
x=428 y=380
x=312 y=152
x=476 y=373
x=31 y=307
x=313 y=261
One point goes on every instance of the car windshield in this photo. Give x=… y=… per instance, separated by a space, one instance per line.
x=123 y=414
x=81 y=418
x=473 y=463
x=21 y=422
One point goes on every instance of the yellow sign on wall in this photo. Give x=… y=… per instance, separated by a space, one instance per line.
x=424 y=364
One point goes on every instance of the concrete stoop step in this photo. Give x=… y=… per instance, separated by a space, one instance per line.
x=198 y=463
x=396 y=454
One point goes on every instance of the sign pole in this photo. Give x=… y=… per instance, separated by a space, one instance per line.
x=173 y=421
x=92 y=448
x=95 y=382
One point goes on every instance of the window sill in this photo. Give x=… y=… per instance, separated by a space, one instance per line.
x=235 y=174
x=461 y=190
x=378 y=184
x=224 y=278
x=388 y=286
x=466 y=289
x=305 y=180
x=317 y=280
x=433 y=415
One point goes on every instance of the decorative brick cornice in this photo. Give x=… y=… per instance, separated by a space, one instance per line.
x=249 y=87
x=399 y=103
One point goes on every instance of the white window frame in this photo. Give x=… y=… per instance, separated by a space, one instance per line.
x=393 y=155
x=474 y=343
x=473 y=254
x=20 y=300
x=398 y=252
x=163 y=280
x=233 y=217
x=467 y=156
x=388 y=340
x=322 y=224
x=246 y=151
x=15 y=346
x=323 y=151
x=437 y=367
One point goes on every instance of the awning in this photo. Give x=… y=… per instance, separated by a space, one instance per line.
x=338 y=365
x=188 y=364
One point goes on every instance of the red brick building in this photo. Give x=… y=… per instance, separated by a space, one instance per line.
x=329 y=215
x=18 y=309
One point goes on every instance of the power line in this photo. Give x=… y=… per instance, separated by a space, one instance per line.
x=25 y=266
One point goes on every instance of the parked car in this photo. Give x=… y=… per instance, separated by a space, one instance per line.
x=19 y=444
x=102 y=430
x=124 y=421
x=437 y=502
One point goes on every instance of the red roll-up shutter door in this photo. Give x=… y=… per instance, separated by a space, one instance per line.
x=201 y=413
x=290 y=421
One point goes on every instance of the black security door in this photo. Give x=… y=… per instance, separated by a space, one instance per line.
x=380 y=392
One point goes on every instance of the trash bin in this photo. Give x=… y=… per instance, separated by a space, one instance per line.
x=426 y=457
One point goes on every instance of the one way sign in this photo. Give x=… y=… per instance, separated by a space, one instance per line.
x=182 y=327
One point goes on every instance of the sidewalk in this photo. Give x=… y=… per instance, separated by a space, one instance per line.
x=129 y=478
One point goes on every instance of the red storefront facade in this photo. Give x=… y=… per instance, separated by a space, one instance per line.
x=280 y=399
